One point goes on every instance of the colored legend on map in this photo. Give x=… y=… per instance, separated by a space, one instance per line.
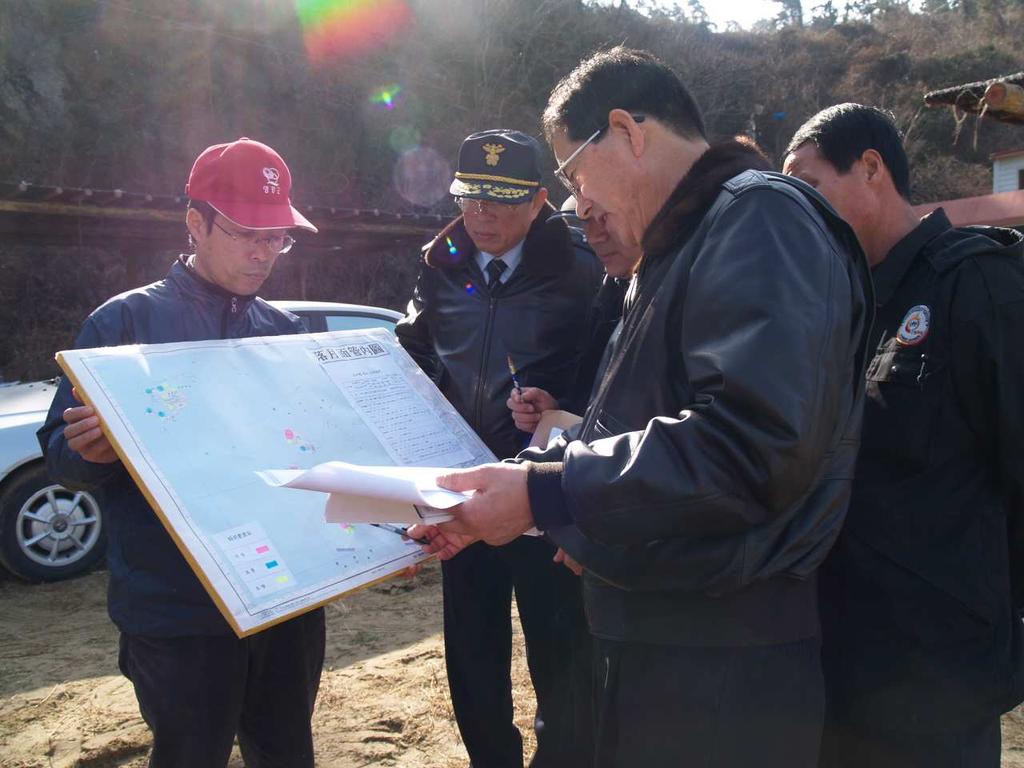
x=254 y=559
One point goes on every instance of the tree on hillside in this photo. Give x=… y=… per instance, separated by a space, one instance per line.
x=791 y=13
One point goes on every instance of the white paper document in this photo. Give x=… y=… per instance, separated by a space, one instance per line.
x=380 y=392
x=360 y=494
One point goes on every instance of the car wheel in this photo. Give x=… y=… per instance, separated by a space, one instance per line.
x=47 y=532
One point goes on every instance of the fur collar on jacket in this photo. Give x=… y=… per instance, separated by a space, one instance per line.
x=698 y=189
x=547 y=249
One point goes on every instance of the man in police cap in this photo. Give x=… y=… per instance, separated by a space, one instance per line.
x=197 y=684
x=502 y=282
x=921 y=597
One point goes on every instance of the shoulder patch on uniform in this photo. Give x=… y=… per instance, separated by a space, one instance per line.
x=915 y=326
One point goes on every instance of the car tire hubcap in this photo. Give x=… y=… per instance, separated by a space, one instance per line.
x=57 y=527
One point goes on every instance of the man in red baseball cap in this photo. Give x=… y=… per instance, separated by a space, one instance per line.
x=197 y=684
x=247 y=183
x=239 y=197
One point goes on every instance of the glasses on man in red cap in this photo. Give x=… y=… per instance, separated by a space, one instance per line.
x=248 y=183
x=279 y=244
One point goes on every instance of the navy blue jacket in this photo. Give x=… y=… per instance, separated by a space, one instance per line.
x=152 y=589
x=922 y=594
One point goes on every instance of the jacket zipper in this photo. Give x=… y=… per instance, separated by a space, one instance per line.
x=479 y=408
x=640 y=304
x=229 y=312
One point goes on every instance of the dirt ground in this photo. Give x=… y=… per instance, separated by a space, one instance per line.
x=383 y=698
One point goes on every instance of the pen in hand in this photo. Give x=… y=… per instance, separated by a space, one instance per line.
x=403 y=532
x=515 y=377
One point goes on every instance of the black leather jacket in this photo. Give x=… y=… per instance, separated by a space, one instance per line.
x=605 y=314
x=461 y=334
x=714 y=465
x=152 y=590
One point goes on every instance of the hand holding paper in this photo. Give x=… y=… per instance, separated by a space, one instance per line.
x=489 y=502
x=360 y=494
x=499 y=510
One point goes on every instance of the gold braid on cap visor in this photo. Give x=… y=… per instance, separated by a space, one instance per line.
x=491 y=190
x=486 y=177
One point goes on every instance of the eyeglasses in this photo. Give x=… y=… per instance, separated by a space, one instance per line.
x=473 y=205
x=276 y=243
x=560 y=173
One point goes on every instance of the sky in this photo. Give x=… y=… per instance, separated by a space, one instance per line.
x=745 y=12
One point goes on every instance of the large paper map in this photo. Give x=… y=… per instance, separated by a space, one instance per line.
x=195 y=421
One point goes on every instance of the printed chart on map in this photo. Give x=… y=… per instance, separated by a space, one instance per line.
x=195 y=422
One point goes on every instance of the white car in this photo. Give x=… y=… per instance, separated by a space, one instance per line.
x=48 y=532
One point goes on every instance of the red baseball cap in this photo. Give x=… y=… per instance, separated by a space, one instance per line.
x=247 y=182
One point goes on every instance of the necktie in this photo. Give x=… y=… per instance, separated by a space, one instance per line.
x=494 y=269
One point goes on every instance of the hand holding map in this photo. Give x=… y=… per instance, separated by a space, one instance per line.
x=181 y=418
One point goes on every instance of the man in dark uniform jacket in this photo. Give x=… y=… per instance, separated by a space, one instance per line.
x=501 y=282
x=921 y=595
x=198 y=685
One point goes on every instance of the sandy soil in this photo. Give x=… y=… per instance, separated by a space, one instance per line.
x=383 y=699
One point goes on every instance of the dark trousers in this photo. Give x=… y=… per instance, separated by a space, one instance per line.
x=671 y=706
x=884 y=745
x=478 y=586
x=196 y=693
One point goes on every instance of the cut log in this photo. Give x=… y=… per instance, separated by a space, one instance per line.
x=1006 y=97
x=974 y=98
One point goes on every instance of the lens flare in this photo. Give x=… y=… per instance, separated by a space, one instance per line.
x=422 y=176
x=337 y=29
x=387 y=96
x=403 y=138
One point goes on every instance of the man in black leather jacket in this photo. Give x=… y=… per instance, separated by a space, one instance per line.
x=197 y=684
x=713 y=468
x=921 y=597
x=504 y=281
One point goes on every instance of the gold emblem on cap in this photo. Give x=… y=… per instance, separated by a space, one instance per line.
x=493 y=150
